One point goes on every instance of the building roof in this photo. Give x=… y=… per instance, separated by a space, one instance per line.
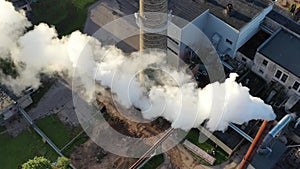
x=284 y=49
x=284 y=21
x=244 y=10
x=260 y=161
x=250 y=47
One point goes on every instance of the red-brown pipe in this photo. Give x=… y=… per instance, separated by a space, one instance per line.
x=253 y=147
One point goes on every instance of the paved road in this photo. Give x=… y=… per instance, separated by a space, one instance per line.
x=106 y=11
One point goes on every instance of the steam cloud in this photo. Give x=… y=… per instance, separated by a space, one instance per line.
x=40 y=50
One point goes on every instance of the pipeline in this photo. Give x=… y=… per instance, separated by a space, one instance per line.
x=149 y=152
x=241 y=132
x=264 y=148
x=252 y=149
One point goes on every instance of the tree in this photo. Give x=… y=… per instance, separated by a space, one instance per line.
x=37 y=163
x=62 y=163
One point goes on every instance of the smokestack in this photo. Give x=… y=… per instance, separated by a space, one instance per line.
x=254 y=146
x=153 y=20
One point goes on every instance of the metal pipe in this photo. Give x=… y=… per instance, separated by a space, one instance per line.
x=252 y=149
x=264 y=147
x=281 y=124
x=149 y=152
x=297 y=123
x=241 y=132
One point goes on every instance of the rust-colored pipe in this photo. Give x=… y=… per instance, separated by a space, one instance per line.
x=253 y=147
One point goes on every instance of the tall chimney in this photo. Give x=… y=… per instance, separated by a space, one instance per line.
x=153 y=20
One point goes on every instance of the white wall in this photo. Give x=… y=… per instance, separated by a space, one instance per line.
x=252 y=27
x=216 y=25
x=201 y=20
x=175 y=33
x=269 y=72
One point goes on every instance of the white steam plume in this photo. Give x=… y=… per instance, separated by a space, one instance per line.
x=40 y=50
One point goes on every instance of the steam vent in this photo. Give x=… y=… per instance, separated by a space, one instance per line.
x=153 y=21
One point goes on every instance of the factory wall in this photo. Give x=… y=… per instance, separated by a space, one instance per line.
x=268 y=73
x=252 y=27
x=228 y=34
x=173 y=44
x=210 y=25
x=201 y=20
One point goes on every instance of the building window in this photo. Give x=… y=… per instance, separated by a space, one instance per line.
x=296 y=85
x=284 y=78
x=265 y=63
x=229 y=41
x=278 y=74
x=261 y=71
x=281 y=76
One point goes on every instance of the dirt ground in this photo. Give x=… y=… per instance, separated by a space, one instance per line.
x=85 y=157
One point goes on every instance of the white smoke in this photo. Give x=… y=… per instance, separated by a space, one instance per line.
x=186 y=106
x=13 y=25
x=236 y=105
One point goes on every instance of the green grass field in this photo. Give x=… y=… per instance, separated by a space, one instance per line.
x=56 y=130
x=77 y=142
x=16 y=151
x=193 y=137
x=66 y=15
x=154 y=162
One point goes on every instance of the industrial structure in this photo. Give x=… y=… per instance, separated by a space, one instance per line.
x=10 y=103
x=8 y=107
x=153 y=20
x=247 y=34
x=231 y=29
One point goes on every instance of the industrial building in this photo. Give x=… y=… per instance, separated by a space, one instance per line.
x=267 y=43
x=8 y=107
x=255 y=41
x=275 y=64
x=253 y=35
x=9 y=104
x=227 y=28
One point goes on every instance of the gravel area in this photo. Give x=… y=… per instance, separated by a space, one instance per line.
x=58 y=100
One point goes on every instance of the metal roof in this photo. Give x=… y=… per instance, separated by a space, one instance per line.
x=284 y=49
x=244 y=10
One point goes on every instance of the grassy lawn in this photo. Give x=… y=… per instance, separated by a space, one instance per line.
x=193 y=137
x=154 y=162
x=2 y=128
x=16 y=151
x=66 y=15
x=77 y=142
x=56 y=130
x=61 y=134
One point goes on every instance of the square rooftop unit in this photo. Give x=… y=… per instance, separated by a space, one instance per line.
x=243 y=10
x=283 y=48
